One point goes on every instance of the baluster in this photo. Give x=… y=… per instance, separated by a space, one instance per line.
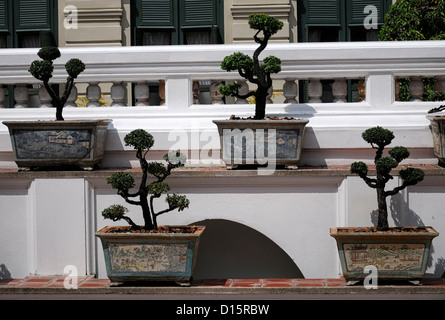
x=315 y=90
x=117 y=94
x=2 y=97
x=440 y=84
x=45 y=98
x=71 y=101
x=141 y=93
x=21 y=96
x=290 y=91
x=340 y=90
x=196 y=92
x=93 y=94
x=162 y=92
x=416 y=89
x=242 y=91
x=269 y=95
x=217 y=97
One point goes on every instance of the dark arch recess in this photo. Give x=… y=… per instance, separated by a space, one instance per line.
x=230 y=250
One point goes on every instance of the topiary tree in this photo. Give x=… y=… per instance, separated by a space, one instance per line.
x=147 y=191
x=43 y=70
x=415 y=20
x=251 y=68
x=379 y=138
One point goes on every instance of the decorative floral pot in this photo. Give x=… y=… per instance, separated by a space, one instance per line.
x=51 y=143
x=150 y=256
x=398 y=254
x=261 y=142
x=438 y=133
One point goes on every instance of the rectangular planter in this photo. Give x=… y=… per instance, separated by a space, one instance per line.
x=438 y=134
x=150 y=256
x=51 y=143
x=247 y=142
x=397 y=254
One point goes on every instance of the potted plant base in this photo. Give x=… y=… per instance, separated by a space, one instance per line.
x=398 y=253
x=162 y=255
x=246 y=142
x=79 y=143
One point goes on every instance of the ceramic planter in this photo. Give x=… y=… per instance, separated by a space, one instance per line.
x=397 y=254
x=78 y=143
x=258 y=142
x=438 y=133
x=131 y=257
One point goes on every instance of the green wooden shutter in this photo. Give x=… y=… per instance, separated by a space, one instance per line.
x=32 y=15
x=356 y=15
x=196 y=13
x=323 y=12
x=157 y=13
x=4 y=21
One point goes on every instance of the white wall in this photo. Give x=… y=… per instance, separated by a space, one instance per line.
x=49 y=220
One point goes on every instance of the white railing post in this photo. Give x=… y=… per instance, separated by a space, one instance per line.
x=380 y=90
x=178 y=93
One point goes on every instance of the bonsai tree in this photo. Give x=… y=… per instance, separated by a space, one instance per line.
x=379 y=138
x=43 y=70
x=251 y=68
x=147 y=191
x=415 y=20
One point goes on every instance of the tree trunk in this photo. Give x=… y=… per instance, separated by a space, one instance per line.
x=146 y=213
x=382 y=223
x=260 y=104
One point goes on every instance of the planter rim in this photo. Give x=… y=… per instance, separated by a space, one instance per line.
x=13 y=123
x=102 y=233
x=284 y=121
x=429 y=232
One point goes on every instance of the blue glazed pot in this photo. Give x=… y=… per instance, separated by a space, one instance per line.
x=78 y=143
x=131 y=257
x=397 y=254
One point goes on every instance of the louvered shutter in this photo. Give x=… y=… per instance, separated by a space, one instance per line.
x=323 y=12
x=32 y=15
x=157 y=13
x=4 y=21
x=198 y=13
x=202 y=14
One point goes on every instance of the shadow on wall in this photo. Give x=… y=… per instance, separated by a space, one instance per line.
x=229 y=250
x=4 y=272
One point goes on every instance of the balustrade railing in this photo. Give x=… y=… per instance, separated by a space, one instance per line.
x=311 y=73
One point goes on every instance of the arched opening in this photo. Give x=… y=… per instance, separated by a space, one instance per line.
x=230 y=250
